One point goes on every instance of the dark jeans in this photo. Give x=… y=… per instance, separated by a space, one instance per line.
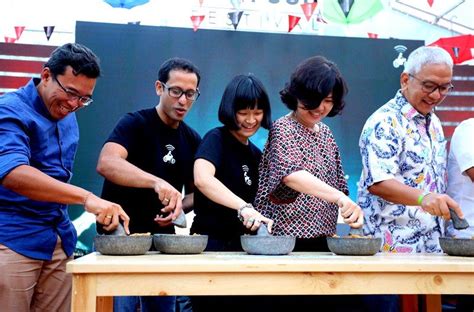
x=145 y=303
x=382 y=303
x=183 y=304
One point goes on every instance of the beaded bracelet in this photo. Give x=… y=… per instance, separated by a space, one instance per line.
x=422 y=196
x=239 y=212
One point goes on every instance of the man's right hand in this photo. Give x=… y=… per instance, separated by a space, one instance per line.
x=171 y=200
x=106 y=213
x=439 y=204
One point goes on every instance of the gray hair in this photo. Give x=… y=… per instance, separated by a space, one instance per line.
x=425 y=56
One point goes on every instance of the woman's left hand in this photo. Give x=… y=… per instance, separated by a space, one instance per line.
x=351 y=213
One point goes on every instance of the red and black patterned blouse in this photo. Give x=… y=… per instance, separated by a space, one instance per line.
x=293 y=147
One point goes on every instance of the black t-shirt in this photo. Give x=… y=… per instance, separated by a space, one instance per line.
x=157 y=149
x=237 y=168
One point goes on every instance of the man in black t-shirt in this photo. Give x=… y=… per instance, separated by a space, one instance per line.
x=148 y=159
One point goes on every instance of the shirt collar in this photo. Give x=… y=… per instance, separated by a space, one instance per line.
x=406 y=109
x=31 y=93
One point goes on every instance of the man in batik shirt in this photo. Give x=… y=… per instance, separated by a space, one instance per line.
x=403 y=181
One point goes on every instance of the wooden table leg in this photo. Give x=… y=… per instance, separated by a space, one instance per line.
x=408 y=303
x=432 y=303
x=83 y=293
x=105 y=304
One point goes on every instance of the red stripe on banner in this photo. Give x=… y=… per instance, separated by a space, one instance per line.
x=21 y=66
x=462 y=101
x=464 y=85
x=454 y=116
x=9 y=82
x=463 y=70
x=26 y=49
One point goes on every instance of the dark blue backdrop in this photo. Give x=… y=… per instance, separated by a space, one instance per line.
x=132 y=54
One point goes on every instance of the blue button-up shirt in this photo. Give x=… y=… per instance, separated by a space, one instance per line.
x=29 y=136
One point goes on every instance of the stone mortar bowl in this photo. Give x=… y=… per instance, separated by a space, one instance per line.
x=457 y=246
x=122 y=245
x=267 y=245
x=354 y=246
x=180 y=244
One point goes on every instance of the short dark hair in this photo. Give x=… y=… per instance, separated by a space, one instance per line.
x=244 y=91
x=177 y=63
x=312 y=81
x=82 y=60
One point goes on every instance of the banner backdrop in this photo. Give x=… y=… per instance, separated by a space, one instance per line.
x=131 y=55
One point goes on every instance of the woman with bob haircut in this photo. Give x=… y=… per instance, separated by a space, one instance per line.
x=301 y=182
x=226 y=179
x=226 y=167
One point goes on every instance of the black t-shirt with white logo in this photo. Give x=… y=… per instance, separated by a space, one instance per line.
x=237 y=168
x=157 y=149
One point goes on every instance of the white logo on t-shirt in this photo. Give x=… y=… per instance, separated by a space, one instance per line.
x=169 y=157
x=247 y=179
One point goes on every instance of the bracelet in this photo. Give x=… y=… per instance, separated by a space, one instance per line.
x=422 y=196
x=239 y=212
x=86 y=198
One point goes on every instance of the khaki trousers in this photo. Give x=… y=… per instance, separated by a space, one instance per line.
x=34 y=285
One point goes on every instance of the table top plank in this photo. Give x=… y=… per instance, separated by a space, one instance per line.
x=155 y=262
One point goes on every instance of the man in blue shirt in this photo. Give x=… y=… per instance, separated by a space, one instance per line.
x=39 y=135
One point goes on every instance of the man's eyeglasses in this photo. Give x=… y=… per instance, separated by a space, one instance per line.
x=176 y=92
x=430 y=87
x=73 y=96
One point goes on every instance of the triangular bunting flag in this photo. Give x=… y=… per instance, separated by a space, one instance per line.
x=346 y=6
x=10 y=40
x=197 y=20
x=373 y=35
x=48 y=30
x=308 y=9
x=292 y=22
x=235 y=18
x=430 y=3
x=19 y=31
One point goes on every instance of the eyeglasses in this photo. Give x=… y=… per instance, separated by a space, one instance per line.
x=176 y=92
x=73 y=96
x=430 y=87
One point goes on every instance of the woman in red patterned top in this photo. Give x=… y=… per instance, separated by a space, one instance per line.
x=301 y=182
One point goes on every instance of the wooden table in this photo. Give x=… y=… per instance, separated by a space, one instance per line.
x=96 y=276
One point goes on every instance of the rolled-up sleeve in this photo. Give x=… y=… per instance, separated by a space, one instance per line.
x=14 y=147
x=284 y=156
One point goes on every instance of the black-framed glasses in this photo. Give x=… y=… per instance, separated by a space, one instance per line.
x=430 y=87
x=73 y=96
x=176 y=92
